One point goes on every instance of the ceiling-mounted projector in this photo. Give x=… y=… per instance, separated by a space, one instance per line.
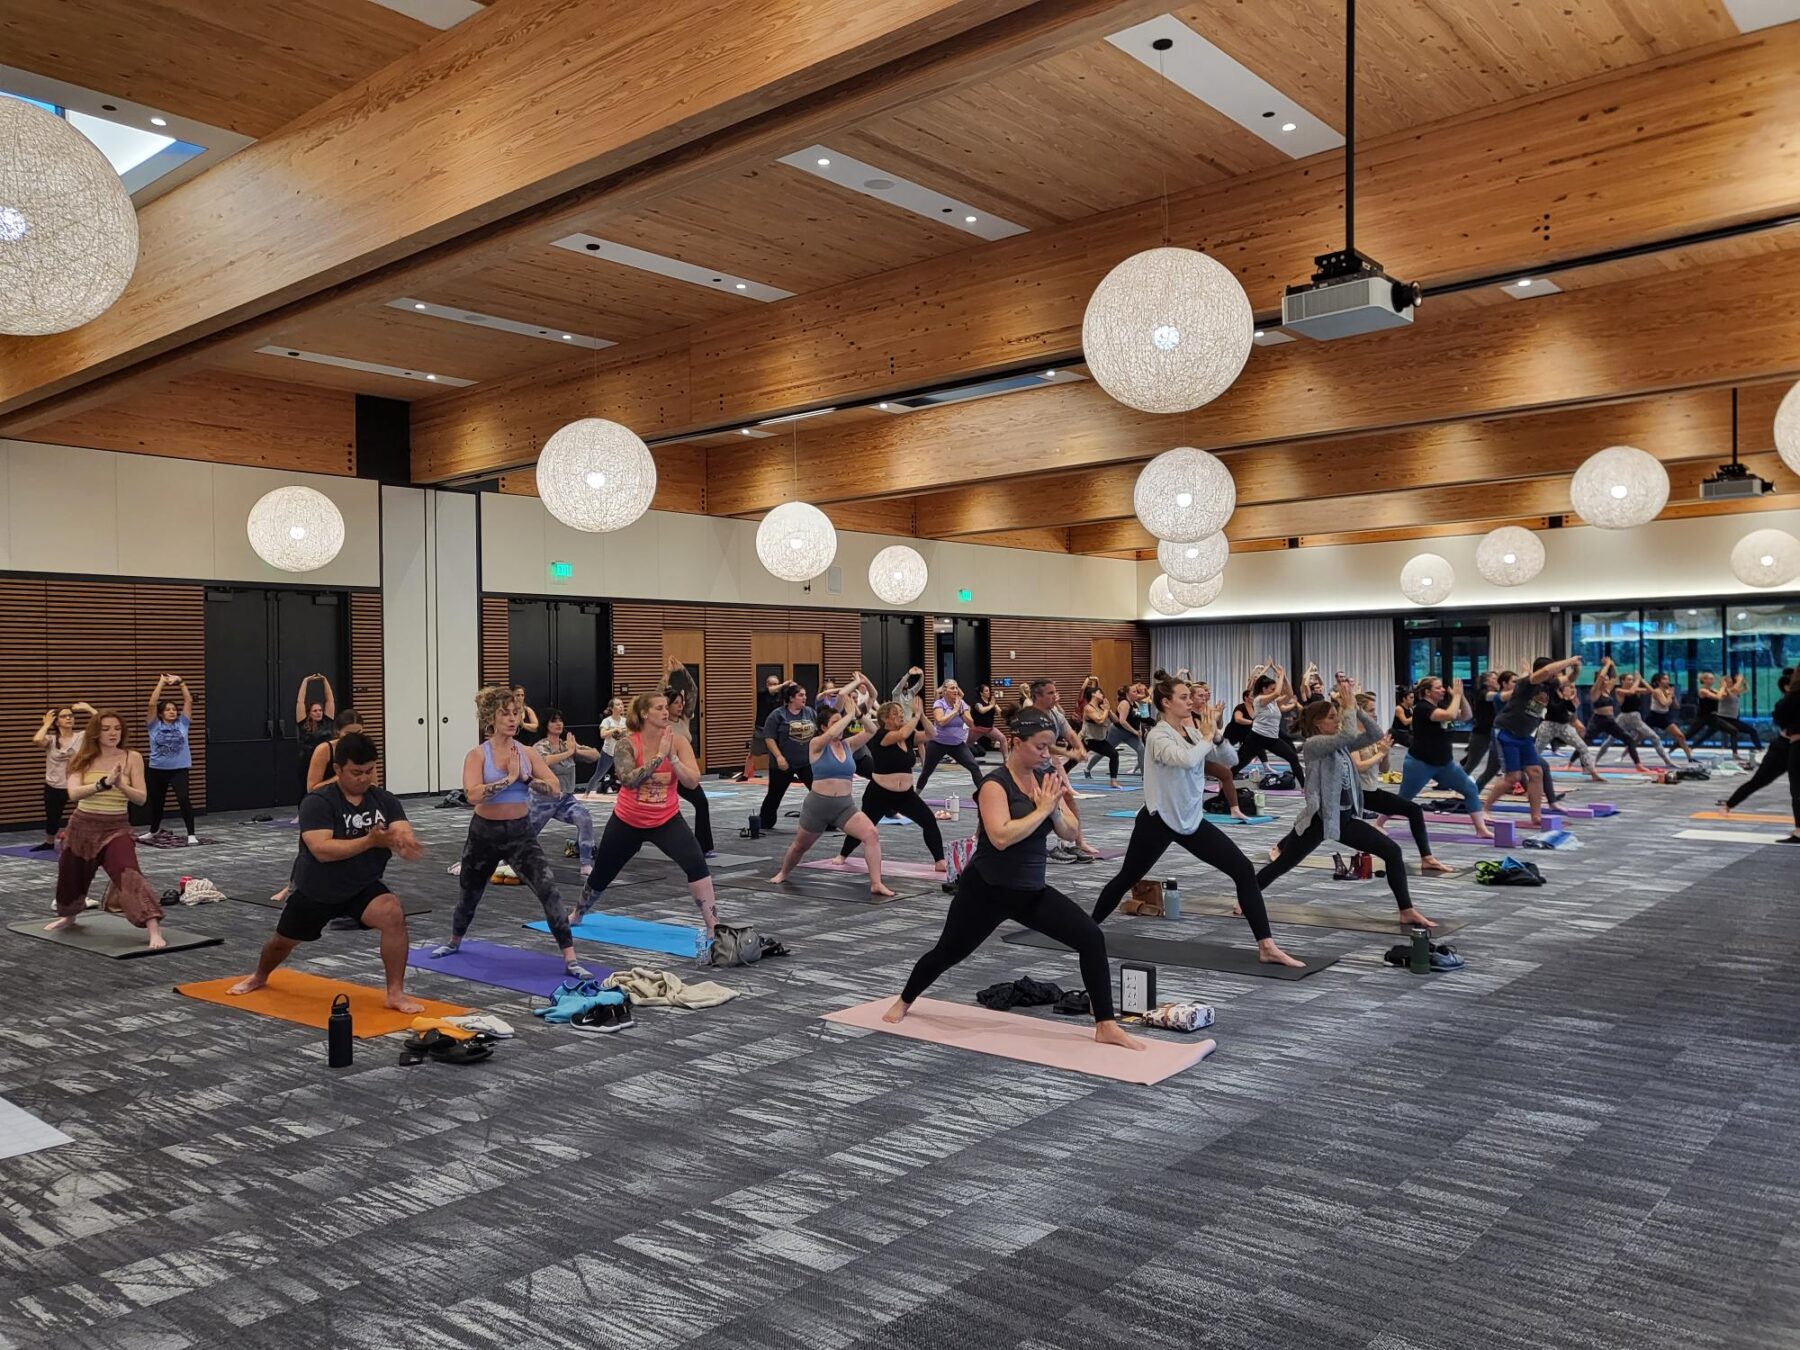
x=1733 y=482
x=1349 y=295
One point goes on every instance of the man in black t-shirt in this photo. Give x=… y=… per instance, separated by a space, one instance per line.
x=349 y=828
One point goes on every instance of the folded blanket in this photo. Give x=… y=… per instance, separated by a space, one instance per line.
x=650 y=988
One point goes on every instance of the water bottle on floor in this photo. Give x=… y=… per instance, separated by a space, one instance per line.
x=339 y=1033
x=1421 y=952
x=1171 y=899
x=953 y=804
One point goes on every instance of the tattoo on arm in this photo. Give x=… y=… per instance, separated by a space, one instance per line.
x=628 y=771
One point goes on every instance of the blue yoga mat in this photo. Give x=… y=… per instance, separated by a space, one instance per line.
x=26 y=851
x=618 y=931
x=527 y=971
x=1122 y=815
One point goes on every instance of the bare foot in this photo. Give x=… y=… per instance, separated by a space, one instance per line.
x=1415 y=919
x=1537 y=822
x=157 y=940
x=876 y=888
x=1110 y=1033
x=1268 y=953
x=779 y=878
x=896 y=1010
x=1114 y=785
x=248 y=985
x=399 y=1002
x=1274 y=852
x=1237 y=911
x=840 y=861
x=940 y=866
x=57 y=925
x=1433 y=865
x=280 y=894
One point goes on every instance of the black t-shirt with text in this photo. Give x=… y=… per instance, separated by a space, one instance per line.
x=329 y=809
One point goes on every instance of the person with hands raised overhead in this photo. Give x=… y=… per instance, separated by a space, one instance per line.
x=830 y=802
x=890 y=791
x=1270 y=696
x=171 y=757
x=314 y=722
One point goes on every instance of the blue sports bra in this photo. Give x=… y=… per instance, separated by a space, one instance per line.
x=828 y=765
x=516 y=792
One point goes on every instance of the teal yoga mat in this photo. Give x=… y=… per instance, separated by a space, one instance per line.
x=617 y=930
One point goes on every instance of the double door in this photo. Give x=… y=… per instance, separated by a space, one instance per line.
x=560 y=650
x=787 y=656
x=260 y=643
x=892 y=644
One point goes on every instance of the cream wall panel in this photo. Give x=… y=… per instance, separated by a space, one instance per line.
x=405 y=641
x=454 y=605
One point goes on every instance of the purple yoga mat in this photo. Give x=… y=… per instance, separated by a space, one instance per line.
x=517 y=968
x=25 y=851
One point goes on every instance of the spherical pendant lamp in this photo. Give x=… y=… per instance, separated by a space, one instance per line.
x=1197 y=594
x=296 y=529
x=68 y=231
x=596 y=475
x=1620 y=487
x=1184 y=495
x=1167 y=330
x=1766 y=558
x=796 y=541
x=897 y=574
x=1509 y=556
x=1426 y=579
x=1787 y=429
x=1199 y=561
x=1162 y=600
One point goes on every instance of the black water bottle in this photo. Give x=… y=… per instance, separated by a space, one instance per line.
x=1421 y=952
x=338 y=1032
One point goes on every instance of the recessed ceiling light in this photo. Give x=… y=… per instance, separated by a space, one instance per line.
x=1258 y=333
x=568 y=337
x=743 y=431
x=431 y=377
x=159 y=121
x=1522 y=282
x=1049 y=374
x=740 y=285
x=419 y=304
x=1289 y=126
x=882 y=406
x=968 y=220
x=824 y=163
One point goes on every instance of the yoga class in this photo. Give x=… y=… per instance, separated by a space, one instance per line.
x=703 y=676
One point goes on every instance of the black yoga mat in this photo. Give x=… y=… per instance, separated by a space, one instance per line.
x=1239 y=960
x=1370 y=920
x=849 y=888
x=410 y=907
x=110 y=935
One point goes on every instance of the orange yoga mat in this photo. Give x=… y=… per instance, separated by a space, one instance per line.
x=1749 y=816
x=295 y=996
x=1035 y=1040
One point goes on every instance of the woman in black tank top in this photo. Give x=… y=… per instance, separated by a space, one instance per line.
x=1019 y=804
x=890 y=791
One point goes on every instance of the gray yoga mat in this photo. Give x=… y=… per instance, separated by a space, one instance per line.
x=848 y=887
x=111 y=935
x=1359 y=920
x=1238 y=960
x=411 y=907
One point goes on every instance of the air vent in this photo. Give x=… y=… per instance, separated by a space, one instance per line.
x=937 y=398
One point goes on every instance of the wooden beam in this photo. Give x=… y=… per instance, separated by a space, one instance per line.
x=1731 y=321
x=526 y=101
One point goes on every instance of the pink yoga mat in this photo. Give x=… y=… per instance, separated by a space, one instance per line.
x=889 y=867
x=1034 y=1040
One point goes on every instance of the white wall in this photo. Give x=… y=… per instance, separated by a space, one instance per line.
x=101 y=513
x=1665 y=559
x=406 y=642
x=669 y=556
x=453 y=605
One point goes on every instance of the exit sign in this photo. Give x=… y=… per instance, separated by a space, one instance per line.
x=964 y=596
x=562 y=571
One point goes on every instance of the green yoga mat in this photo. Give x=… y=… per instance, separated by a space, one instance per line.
x=110 y=935
x=1238 y=960
x=1353 y=920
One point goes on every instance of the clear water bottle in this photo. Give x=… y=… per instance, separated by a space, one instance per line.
x=1171 y=899
x=953 y=804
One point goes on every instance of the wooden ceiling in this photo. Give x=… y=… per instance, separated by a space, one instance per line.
x=1493 y=135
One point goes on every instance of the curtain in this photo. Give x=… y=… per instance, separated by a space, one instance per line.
x=1222 y=654
x=1362 y=648
x=1516 y=638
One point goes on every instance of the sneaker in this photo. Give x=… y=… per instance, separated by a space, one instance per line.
x=193 y=839
x=603 y=1018
x=146 y=836
x=1063 y=853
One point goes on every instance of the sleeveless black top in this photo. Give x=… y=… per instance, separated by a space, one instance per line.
x=1020 y=867
x=891 y=758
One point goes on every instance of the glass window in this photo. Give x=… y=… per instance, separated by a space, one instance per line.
x=1596 y=634
x=1680 y=643
x=1761 y=641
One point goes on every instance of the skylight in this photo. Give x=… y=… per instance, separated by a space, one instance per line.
x=138 y=156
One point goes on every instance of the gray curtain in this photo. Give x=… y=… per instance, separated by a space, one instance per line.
x=1362 y=648
x=1222 y=654
x=1516 y=638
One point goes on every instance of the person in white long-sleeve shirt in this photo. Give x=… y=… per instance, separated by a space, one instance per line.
x=1174 y=812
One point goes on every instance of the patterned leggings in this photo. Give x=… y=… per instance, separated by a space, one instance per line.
x=565 y=808
x=492 y=842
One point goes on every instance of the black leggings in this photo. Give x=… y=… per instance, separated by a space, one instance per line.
x=1151 y=837
x=1480 y=742
x=1773 y=766
x=1107 y=751
x=779 y=778
x=1386 y=803
x=1255 y=743
x=977 y=909
x=1737 y=727
x=620 y=842
x=158 y=782
x=55 y=799
x=878 y=802
x=1359 y=835
x=937 y=751
x=1601 y=727
x=696 y=797
x=492 y=842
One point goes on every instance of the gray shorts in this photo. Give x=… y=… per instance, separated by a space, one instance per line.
x=819 y=813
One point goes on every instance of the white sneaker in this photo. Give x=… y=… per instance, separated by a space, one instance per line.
x=193 y=839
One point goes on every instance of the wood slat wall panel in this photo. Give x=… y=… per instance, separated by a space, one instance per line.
x=106 y=642
x=367 y=688
x=495 y=635
x=1062 y=651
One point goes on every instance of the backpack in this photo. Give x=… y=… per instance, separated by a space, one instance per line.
x=1693 y=773
x=1509 y=871
x=1249 y=802
x=1279 y=782
x=735 y=945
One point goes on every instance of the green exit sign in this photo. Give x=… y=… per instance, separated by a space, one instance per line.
x=561 y=571
x=964 y=596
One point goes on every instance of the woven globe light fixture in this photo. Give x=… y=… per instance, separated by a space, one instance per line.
x=596 y=475
x=1427 y=579
x=1620 y=487
x=1201 y=560
x=1167 y=330
x=897 y=574
x=1162 y=599
x=296 y=529
x=796 y=541
x=68 y=231
x=1787 y=429
x=1184 y=495
x=1509 y=556
x=1766 y=558
x=1197 y=594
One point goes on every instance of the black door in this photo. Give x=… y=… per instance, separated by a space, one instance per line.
x=561 y=651
x=892 y=644
x=970 y=645
x=260 y=643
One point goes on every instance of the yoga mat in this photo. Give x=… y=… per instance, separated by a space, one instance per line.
x=112 y=936
x=287 y=823
x=409 y=907
x=1748 y=817
x=1323 y=863
x=713 y=796
x=21 y=1132
x=1592 y=811
x=295 y=996
x=534 y=971
x=1213 y=816
x=48 y=855
x=1722 y=836
x=897 y=867
x=642 y=935
x=1122 y=945
x=1369 y=920
x=1059 y=1044
x=176 y=841
x=1457 y=837
x=831 y=884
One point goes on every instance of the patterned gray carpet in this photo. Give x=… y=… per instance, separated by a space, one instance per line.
x=1584 y=1139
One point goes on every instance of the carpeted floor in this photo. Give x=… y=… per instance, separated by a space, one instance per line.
x=1584 y=1139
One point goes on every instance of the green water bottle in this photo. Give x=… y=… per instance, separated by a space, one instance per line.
x=1421 y=952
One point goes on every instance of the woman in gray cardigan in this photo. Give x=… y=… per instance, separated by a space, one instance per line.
x=1333 y=808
